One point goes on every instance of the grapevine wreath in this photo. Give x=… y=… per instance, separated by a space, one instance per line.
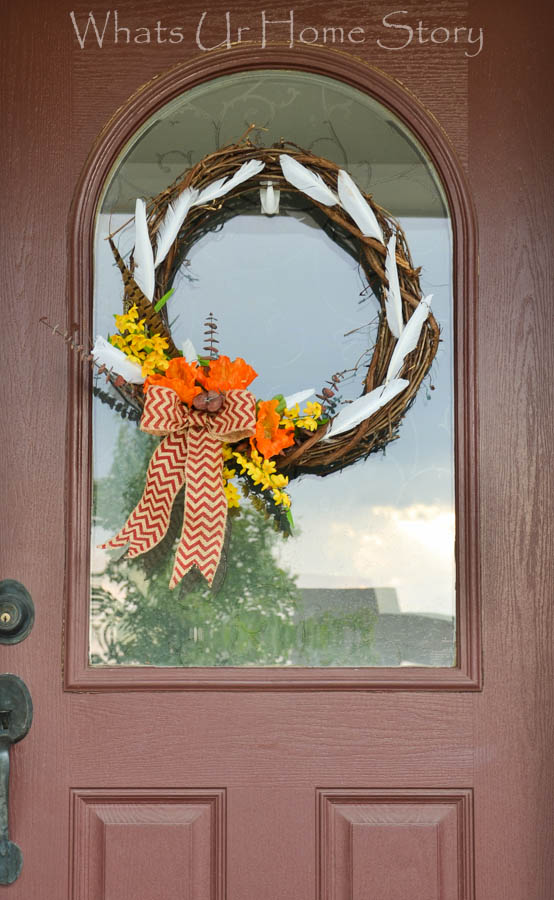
x=213 y=428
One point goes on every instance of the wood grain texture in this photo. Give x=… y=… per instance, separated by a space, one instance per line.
x=36 y=186
x=271 y=845
x=512 y=174
x=420 y=67
x=155 y=860
x=268 y=739
x=56 y=99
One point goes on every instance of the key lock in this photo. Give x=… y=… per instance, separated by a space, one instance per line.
x=17 y=615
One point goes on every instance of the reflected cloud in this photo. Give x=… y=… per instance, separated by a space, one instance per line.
x=410 y=549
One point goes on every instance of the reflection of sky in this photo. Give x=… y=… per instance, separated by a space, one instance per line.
x=288 y=312
x=285 y=295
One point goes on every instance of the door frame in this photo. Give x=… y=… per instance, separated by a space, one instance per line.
x=467 y=674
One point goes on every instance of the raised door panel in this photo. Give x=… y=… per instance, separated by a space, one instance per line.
x=395 y=845
x=164 y=845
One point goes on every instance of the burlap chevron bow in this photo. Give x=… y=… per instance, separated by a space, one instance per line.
x=190 y=454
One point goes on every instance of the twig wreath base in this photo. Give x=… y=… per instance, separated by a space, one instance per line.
x=310 y=453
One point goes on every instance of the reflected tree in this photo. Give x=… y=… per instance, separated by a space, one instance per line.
x=255 y=618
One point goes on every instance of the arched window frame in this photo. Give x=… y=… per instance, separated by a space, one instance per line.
x=467 y=674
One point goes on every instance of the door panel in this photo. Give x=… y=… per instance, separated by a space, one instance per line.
x=157 y=844
x=289 y=793
x=396 y=844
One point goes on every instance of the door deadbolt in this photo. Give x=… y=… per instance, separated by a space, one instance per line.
x=17 y=612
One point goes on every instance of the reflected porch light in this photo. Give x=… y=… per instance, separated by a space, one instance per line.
x=269 y=198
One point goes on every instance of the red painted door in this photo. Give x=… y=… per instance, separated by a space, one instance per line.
x=249 y=785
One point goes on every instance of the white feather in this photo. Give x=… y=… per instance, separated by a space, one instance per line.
x=105 y=354
x=189 y=351
x=365 y=406
x=246 y=171
x=352 y=200
x=224 y=185
x=409 y=337
x=143 y=273
x=210 y=192
x=305 y=180
x=393 y=298
x=299 y=397
x=172 y=221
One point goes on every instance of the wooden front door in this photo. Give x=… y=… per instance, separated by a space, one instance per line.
x=255 y=787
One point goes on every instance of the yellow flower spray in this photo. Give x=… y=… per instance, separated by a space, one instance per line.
x=149 y=351
x=261 y=471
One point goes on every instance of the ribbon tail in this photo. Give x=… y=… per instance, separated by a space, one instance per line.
x=205 y=516
x=149 y=521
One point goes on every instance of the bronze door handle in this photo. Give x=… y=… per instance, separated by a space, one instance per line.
x=16 y=715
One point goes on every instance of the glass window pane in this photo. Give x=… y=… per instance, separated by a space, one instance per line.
x=368 y=577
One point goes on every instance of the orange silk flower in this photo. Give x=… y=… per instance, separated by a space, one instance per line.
x=180 y=376
x=224 y=375
x=269 y=438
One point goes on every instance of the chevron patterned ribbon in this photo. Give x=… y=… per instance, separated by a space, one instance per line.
x=189 y=454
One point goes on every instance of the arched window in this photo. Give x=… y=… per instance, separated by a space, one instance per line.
x=368 y=577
